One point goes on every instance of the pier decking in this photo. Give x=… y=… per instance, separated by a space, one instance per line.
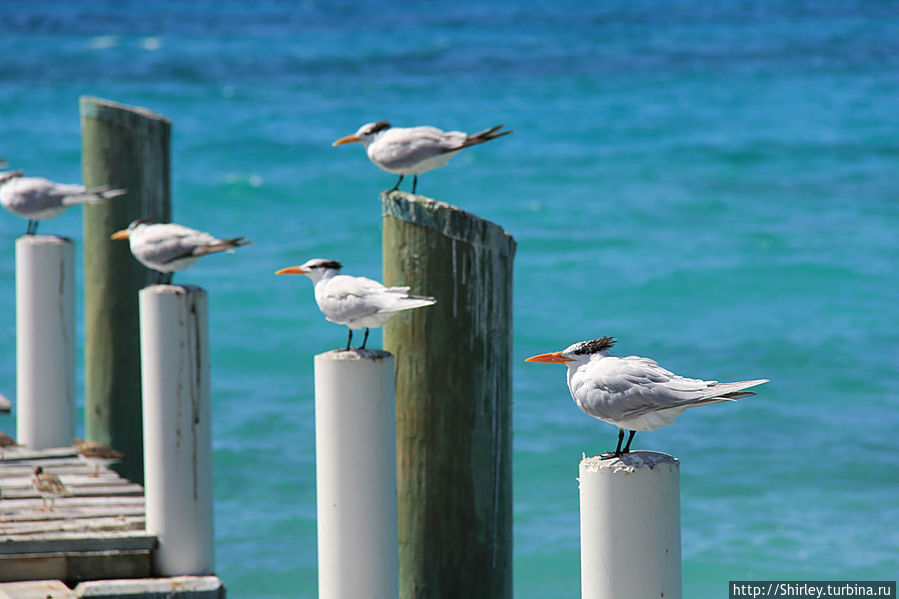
x=96 y=532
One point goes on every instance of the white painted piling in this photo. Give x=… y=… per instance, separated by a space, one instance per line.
x=630 y=527
x=355 y=458
x=45 y=341
x=174 y=348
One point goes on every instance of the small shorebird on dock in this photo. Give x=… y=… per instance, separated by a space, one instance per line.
x=634 y=393
x=357 y=302
x=167 y=247
x=97 y=454
x=414 y=150
x=48 y=486
x=37 y=199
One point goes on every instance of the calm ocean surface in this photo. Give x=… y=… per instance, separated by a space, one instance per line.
x=715 y=184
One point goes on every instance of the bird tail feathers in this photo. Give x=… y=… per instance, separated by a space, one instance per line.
x=726 y=392
x=91 y=196
x=485 y=135
x=410 y=302
x=418 y=301
x=225 y=245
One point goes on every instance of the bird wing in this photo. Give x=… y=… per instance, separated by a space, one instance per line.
x=94 y=449
x=50 y=483
x=34 y=194
x=629 y=387
x=401 y=147
x=345 y=298
x=164 y=243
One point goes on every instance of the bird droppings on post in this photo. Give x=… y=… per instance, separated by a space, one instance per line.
x=356 y=353
x=630 y=462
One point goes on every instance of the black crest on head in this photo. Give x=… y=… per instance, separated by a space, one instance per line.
x=594 y=346
x=380 y=126
x=329 y=264
x=141 y=221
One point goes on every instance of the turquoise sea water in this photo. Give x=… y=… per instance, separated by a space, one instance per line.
x=713 y=184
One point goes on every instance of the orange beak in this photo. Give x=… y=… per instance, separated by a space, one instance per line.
x=555 y=357
x=123 y=234
x=293 y=270
x=346 y=140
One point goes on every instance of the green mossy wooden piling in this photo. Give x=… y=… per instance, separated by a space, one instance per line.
x=453 y=399
x=128 y=147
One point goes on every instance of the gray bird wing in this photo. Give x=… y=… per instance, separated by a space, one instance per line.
x=345 y=298
x=403 y=147
x=625 y=388
x=34 y=194
x=164 y=243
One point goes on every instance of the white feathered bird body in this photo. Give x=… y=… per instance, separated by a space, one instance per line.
x=635 y=393
x=36 y=198
x=360 y=302
x=169 y=247
x=414 y=150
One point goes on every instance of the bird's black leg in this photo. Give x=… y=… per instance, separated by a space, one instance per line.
x=349 y=340
x=34 y=228
x=414 y=183
x=28 y=230
x=617 y=452
x=627 y=446
x=364 y=339
x=166 y=278
x=397 y=186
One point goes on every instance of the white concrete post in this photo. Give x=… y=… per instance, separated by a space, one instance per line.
x=355 y=460
x=174 y=347
x=45 y=341
x=630 y=527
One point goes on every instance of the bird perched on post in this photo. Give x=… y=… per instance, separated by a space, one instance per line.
x=38 y=199
x=167 y=247
x=48 y=486
x=414 y=150
x=634 y=393
x=96 y=454
x=357 y=302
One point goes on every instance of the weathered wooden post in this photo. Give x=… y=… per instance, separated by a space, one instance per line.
x=45 y=341
x=630 y=526
x=174 y=344
x=123 y=147
x=453 y=398
x=355 y=474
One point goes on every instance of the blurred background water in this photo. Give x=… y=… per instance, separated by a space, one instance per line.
x=713 y=184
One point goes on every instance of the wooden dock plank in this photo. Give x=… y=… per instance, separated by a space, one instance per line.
x=136 y=540
x=98 y=531
x=91 y=490
x=102 y=523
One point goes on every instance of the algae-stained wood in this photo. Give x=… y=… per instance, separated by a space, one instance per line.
x=128 y=147
x=453 y=398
